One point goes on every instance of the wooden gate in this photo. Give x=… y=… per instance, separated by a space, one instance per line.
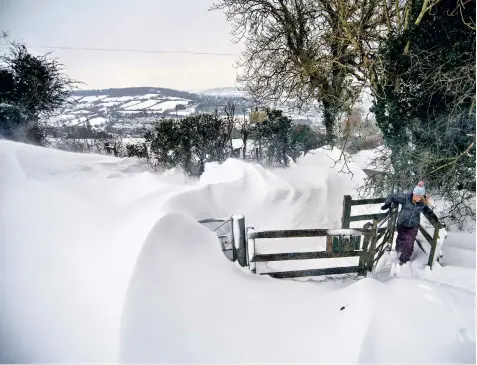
x=369 y=243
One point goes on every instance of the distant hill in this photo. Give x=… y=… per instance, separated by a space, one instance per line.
x=136 y=91
x=129 y=110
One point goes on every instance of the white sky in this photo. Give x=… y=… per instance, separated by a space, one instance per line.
x=170 y=25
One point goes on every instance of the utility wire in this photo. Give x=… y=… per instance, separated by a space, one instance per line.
x=134 y=50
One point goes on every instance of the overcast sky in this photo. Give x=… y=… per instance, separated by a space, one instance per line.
x=167 y=25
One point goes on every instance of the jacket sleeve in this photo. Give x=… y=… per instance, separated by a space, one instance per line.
x=396 y=198
x=430 y=213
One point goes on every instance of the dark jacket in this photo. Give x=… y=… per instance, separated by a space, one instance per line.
x=410 y=214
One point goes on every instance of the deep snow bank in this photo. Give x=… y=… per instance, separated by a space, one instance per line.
x=186 y=303
x=103 y=261
x=306 y=195
x=71 y=227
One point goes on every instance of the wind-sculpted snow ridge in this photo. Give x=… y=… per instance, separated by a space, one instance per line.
x=303 y=196
x=185 y=303
x=71 y=227
x=209 y=310
x=308 y=195
x=103 y=261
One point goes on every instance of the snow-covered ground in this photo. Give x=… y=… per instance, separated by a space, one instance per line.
x=131 y=103
x=103 y=261
x=142 y=105
x=187 y=111
x=168 y=105
x=90 y=99
x=97 y=121
x=119 y=98
x=154 y=103
x=129 y=112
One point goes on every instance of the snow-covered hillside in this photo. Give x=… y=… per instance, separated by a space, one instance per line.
x=103 y=261
x=105 y=107
x=129 y=109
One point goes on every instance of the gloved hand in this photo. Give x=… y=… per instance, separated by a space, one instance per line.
x=386 y=206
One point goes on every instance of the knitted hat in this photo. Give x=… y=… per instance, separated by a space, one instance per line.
x=419 y=189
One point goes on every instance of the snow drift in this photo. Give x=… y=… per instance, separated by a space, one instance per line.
x=204 y=315
x=102 y=261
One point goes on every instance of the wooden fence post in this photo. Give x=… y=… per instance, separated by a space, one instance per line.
x=345 y=219
x=363 y=258
x=433 y=245
x=392 y=224
x=372 y=246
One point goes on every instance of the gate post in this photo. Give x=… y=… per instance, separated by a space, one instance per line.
x=434 y=245
x=251 y=249
x=240 y=243
x=392 y=224
x=372 y=246
x=364 y=257
x=346 y=211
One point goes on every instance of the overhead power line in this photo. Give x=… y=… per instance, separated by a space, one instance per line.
x=133 y=50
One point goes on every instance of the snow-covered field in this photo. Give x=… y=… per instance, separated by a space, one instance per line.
x=103 y=261
x=143 y=105
x=89 y=99
x=155 y=103
x=168 y=105
x=130 y=103
x=97 y=121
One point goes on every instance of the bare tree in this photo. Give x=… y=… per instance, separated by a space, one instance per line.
x=295 y=50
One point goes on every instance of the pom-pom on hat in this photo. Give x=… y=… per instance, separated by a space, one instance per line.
x=419 y=189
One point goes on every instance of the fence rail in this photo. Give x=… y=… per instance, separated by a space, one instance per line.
x=303 y=256
x=297 y=233
x=315 y=272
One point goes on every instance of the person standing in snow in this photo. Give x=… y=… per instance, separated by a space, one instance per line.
x=409 y=218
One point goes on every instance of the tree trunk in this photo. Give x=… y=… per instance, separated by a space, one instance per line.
x=260 y=149
x=244 y=140
x=201 y=167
